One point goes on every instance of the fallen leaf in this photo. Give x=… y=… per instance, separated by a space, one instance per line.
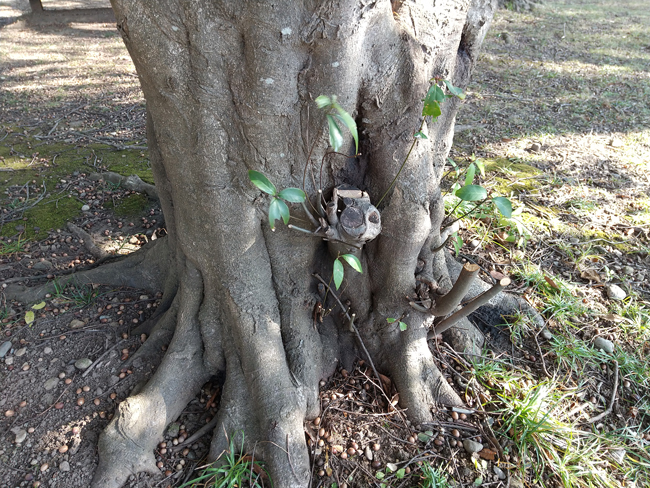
x=551 y=282
x=591 y=275
x=488 y=454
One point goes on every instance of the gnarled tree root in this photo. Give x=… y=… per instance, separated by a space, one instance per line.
x=127 y=444
x=145 y=270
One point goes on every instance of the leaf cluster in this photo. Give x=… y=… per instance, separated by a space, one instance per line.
x=278 y=209
x=336 y=115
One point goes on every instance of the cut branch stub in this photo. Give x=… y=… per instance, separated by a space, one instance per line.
x=470 y=307
x=446 y=304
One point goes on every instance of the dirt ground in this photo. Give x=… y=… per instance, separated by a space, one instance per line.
x=562 y=126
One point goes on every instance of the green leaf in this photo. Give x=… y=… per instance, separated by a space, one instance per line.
x=400 y=473
x=481 y=166
x=471 y=172
x=425 y=436
x=323 y=101
x=353 y=261
x=478 y=481
x=38 y=306
x=349 y=122
x=454 y=90
x=29 y=317
x=432 y=109
x=336 y=139
x=338 y=273
x=504 y=205
x=380 y=475
x=295 y=195
x=402 y=326
x=261 y=182
x=420 y=135
x=471 y=193
x=390 y=320
x=278 y=209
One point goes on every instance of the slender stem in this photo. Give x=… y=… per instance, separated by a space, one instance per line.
x=401 y=167
x=466 y=213
x=354 y=329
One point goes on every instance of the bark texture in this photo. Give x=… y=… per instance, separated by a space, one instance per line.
x=229 y=88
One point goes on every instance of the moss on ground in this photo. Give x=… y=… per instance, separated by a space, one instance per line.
x=129 y=206
x=511 y=176
x=26 y=159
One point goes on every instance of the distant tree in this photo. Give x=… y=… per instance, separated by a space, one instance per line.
x=36 y=5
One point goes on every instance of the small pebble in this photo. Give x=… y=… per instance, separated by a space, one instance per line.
x=368 y=453
x=472 y=446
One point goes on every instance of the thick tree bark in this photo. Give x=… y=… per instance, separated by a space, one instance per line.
x=230 y=88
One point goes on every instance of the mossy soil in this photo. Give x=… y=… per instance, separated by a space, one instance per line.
x=34 y=181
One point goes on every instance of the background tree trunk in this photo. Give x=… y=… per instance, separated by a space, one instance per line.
x=36 y=5
x=230 y=88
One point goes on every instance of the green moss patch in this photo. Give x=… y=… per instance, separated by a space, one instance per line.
x=129 y=206
x=24 y=160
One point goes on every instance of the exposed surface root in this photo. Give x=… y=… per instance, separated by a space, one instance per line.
x=145 y=269
x=420 y=384
x=127 y=444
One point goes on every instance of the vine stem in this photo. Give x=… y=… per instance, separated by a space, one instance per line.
x=392 y=183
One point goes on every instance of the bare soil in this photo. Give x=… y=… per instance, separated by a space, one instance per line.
x=542 y=96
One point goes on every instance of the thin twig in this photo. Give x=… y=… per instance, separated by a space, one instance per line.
x=355 y=330
x=198 y=434
x=608 y=410
x=89 y=368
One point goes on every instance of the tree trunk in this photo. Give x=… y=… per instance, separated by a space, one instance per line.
x=36 y=5
x=230 y=88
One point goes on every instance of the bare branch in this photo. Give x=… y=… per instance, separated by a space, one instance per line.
x=447 y=303
x=470 y=307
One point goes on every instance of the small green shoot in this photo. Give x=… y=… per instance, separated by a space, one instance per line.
x=338 y=271
x=335 y=114
x=432 y=477
x=402 y=325
x=13 y=247
x=430 y=108
x=232 y=469
x=278 y=209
